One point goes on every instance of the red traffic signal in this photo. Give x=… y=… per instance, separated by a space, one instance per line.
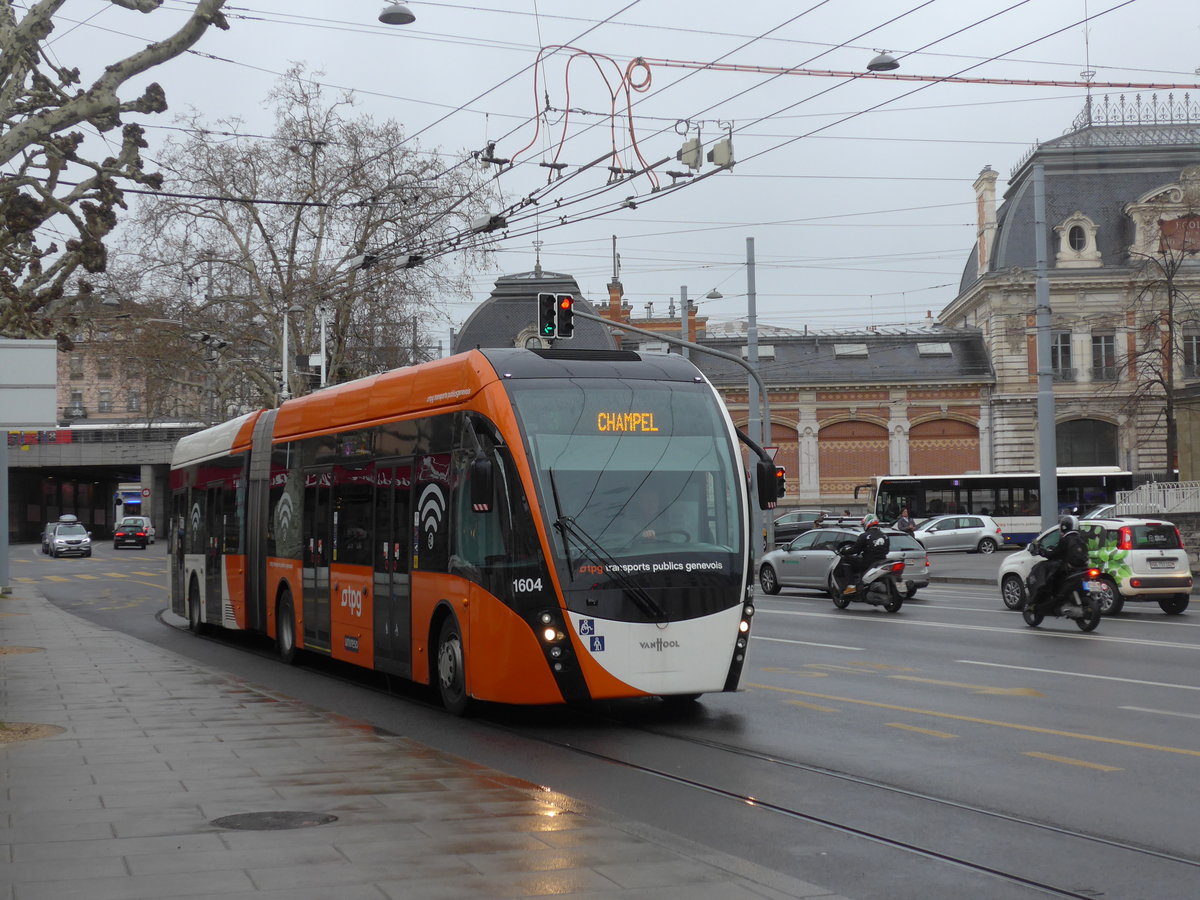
x=566 y=316
x=780 y=480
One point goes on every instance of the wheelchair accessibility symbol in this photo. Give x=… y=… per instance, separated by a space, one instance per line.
x=587 y=626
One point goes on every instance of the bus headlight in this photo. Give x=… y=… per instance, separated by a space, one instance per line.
x=550 y=634
x=744 y=626
x=748 y=612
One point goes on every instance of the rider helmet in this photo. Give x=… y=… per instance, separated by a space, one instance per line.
x=1068 y=523
x=869 y=521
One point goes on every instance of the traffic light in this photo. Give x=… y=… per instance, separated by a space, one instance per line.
x=780 y=481
x=547 y=315
x=566 y=316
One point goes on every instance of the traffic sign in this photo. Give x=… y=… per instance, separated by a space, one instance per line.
x=771 y=451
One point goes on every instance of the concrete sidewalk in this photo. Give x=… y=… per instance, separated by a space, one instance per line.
x=167 y=780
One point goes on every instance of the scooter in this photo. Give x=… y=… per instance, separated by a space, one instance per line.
x=1079 y=597
x=880 y=586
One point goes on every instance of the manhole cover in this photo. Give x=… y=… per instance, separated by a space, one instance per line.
x=273 y=821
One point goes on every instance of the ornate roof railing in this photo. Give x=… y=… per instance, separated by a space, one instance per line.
x=1151 y=120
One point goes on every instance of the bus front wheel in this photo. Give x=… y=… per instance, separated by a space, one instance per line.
x=285 y=628
x=451 y=668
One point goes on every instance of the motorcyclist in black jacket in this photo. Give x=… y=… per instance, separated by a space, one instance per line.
x=872 y=546
x=1070 y=554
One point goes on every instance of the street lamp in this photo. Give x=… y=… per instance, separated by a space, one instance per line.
x=285 y=390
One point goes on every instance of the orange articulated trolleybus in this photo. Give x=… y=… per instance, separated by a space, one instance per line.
x=518 y=526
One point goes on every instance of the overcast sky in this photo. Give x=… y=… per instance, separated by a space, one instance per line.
x=857 y=192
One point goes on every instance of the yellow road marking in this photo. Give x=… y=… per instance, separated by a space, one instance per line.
x=1139 y=745
x=25 y=580
x=89 y=577
x=796 y=672
x=57 y=578
x=1074 y=762
x=812 y=706
x=116 y=574
x=974 y=688
x=928 y=731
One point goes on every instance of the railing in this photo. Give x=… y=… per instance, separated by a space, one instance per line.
x=1105 y=373
x=1160 y=497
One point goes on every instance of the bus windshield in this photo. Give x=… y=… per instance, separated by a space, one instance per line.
x=641 y=468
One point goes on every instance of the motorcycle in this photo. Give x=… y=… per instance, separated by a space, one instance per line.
x=880 y=586
x=1079 y=597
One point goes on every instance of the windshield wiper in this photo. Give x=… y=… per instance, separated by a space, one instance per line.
x=569 y=528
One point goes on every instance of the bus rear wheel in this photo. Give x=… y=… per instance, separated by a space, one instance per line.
x=451 y=668
x=193 y=608
x=285 y=628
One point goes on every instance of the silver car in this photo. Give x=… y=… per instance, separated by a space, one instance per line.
x=808 y=561
x=960 y=532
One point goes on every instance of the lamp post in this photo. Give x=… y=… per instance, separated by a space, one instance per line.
x=285 y=391
x=322 y=320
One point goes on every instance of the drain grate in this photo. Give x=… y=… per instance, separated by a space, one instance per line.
x=273 y=821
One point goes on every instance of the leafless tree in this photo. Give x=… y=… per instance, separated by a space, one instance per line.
x=58 y=207
x=262 y=233
x=1166 y=315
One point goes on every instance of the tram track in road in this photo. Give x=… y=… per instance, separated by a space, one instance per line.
x=1033 y=829
x=1038 y=872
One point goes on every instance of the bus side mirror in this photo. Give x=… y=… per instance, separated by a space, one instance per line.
x=767 y=491
x=482 y=484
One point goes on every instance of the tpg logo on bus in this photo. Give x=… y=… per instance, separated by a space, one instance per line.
x=353 y=601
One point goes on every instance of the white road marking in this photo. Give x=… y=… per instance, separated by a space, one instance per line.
x=1162 y=684
x=1023 y=629
x=809 y=643
x=1162 y=712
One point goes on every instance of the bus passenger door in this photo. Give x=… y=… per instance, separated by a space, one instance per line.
x=317 y=541
x=392 y=530
x=213 y=538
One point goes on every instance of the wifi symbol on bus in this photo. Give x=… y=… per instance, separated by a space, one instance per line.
x=431 y=508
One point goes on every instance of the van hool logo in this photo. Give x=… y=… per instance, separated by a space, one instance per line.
x=196 y=517
x=660 y=645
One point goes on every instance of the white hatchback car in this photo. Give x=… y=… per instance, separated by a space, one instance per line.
x=1142 y=559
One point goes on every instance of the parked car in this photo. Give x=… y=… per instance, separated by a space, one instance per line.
x=1142 y=559
x=70 y=538
x=959 y=532
x=145 y=523
x=796 y=522
x=130 y=532
x=1109 y=511
x=808 y=560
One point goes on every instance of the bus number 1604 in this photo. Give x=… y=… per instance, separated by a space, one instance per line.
x=526 y=585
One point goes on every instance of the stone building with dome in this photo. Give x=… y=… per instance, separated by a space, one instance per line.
x=1122 y=211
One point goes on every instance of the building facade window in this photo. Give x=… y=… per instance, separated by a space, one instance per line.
x=1060 y=356
x=135 y=401
x=1191 y=355
x=1086 y=442
x=104 y=366
x=104 y=401
x=1077 y=237
x=76 y=365
x=1104 y=357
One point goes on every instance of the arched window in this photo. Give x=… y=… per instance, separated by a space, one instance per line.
x=1078 y=238
x=1086 y=442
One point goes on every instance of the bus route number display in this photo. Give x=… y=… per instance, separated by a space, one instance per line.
x=625 y=421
